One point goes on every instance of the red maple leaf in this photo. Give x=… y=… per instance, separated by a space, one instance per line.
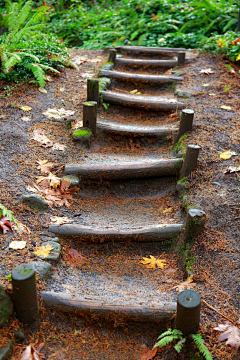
x=4 y=220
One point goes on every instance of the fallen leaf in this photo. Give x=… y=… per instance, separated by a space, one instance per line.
x=60 y=220
x=167 y=210
x=75 y=259
x=57 y=146
x=40 y=137
x=225 y=107
x=153 y=263
x=64 y=184
x=42 y=90
x=232 y=169
x=44 y=166
x=62 y=89
x=212 y=94
x=44 y=250
x=227 y=155
x=30 y=353
x=58 y=113
x=52 y=180
x=5 y=224
x=134 y=91
x=148 y=354
x=77 y=124
x=87 y=75
x=94 y=60
x=205 y=85
x=207 y=71
x=138 y=93
x=185 y=284
x=25 y=108
x=230 y=333
x=21 y=229
x=49 y=78
x=16 y=245
x=170 y=271
x=173 y=116
x=26 y=118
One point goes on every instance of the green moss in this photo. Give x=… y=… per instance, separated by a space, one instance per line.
x=181 y=181
x=89 y=103
x=81 y=133
x=180 y=143
x=178 y=164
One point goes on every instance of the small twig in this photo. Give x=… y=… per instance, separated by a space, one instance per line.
x=211 y=307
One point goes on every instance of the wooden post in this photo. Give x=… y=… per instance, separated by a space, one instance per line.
x=93 y=90
x=112 y=56
x=188 y=312
x=195 y=222
x=25 y=293
x=190 y=160
x=186 y=122
x=181 y=58
x=90 y=115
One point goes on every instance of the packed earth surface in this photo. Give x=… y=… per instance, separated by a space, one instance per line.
x=214 y=97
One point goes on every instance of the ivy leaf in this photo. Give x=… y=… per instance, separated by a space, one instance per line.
x=5 y=224
x=230 y=333
x=44 y=250
x=153 y=263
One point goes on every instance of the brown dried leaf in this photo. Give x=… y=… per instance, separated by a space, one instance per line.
x=148 y=354
x=60 y=220
x=40 y=137
x=45 y=166
x=207 y=71
x=50 y=180
x=230 y=333
x=30 y=353
x=76 y=259
x=185 y=284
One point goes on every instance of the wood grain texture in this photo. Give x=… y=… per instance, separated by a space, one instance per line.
x=144 y=62
x=121 y=75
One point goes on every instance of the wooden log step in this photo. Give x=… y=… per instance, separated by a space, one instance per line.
x=144 y=234
x=141 y=50
x=146 y=62
x=120 y=128
x=160 y=309
x=158 y=79
x=125 y=169
x=148 y=102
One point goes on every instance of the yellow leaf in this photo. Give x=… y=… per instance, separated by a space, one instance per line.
x=225 y=107
x=26 y=118
x=188 y=284
x=138 y=93
x=62 y=89
x=238 y=57
x=227 y=155
x=205 y=84
x=44 y=250
x=134 y=91
x=153 y=263
x=53 y=180
x=26 y=108
x=42 y=90
x=60 y=220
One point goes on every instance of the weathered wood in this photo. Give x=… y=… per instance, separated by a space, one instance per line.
x=186 y=122
x=114 y=127
x=158 y=79
x=188 y=312
x=65 y=302
x=25 y=293
x=90 y=115
x=194 y=226
x=146 y=62
x=112 y=56
x=145 y=234
x=190 y=160
x=181 y=58
x=147 y=102
x=126 y=171
x=141 y=50
x=93 y=90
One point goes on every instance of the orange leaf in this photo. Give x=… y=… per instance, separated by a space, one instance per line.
x=148 y=354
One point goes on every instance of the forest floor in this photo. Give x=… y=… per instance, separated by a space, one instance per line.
x=215 y=100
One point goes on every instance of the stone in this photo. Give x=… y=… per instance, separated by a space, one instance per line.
x=49 y=238
x=54 y=253
x=6 y=351
x=177 y=73
x=35 y=201
x=19 y=335
x=73 y=179
x=6 y=307
x=107 y=66
x=43 y=268
x=82 y=134
x=182 y=93
x=180 y=187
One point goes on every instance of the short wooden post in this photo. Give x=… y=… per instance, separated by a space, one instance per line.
x=90 y=115
x=181 y=58
x=93 y=90
x=112 y=56
x=195 y=222
x=25 y=293
x=188 y=312
x=186 y=122
x=190 y=160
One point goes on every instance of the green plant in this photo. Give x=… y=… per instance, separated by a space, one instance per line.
x=176 y=335
x=9 y=214
x=106 y=106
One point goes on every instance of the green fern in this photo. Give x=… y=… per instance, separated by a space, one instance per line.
x=167 y=337
x=9 y=214
x=198 y=340
x=179 y=345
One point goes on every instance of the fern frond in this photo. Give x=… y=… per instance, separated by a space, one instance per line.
x=171 y=332
x=199 y=341
x=167 y=337
x=70 y=63
x=45 y=67
x=10 y=62
x=38 y=73
x=179 y=345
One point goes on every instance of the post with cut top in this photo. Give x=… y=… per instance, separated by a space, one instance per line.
x=93 y=90
x=112 y=56
x=190 y=160
x=181 y=57
x=188 y=312
x=90 y=115
x=25 y=293
x=186 y=121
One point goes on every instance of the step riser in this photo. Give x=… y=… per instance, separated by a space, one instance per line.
x=120 y=172
x=140 y=62
x=109 y=311
x=141 y=51
x=156 y=79
x=143 y=235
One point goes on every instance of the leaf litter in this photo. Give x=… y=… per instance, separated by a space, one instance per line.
x=230 y=333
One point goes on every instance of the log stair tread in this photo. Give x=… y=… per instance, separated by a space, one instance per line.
x=144 y=62
x=115 y=74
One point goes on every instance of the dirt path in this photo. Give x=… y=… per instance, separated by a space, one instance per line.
x=216 y=251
